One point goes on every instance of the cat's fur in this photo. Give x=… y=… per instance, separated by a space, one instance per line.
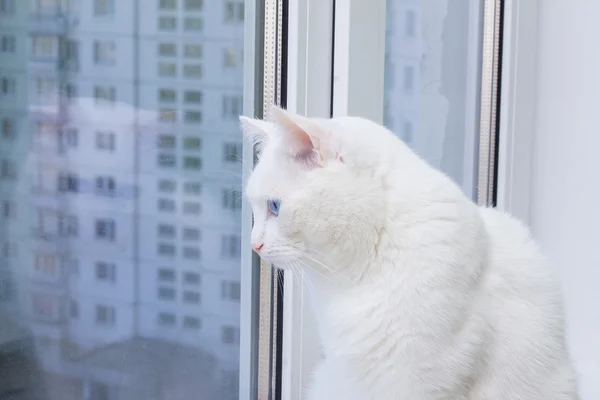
x=419 y=293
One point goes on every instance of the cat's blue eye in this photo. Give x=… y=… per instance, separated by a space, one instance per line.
x=274 y=206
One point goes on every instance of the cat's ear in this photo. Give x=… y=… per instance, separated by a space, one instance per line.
x=256 y=130
x=308 y=139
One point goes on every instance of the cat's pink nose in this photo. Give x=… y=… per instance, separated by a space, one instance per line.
x=257 y=246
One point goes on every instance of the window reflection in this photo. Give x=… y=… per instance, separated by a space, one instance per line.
x=120 y=165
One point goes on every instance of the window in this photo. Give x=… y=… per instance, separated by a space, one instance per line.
x=45 y=88
x=68 y=225
x=230 y=291
x=104 y=52
x=167 y=69
x=166 y=205
x=68 y=183
x=193 y=24
x=191 y=234
x=105 y=185
x=43 y=46
x=192 y=143
x=192 y=117
x=7 y=126
x=230 y=58
x=7 y=85
x=167 y=4
x=166 y=293
x=191 y=297
x=167 y=49
x=105 y=141
x=69 y=90
x=167 y=186
x=234 y=11
x=192 y=50
x=166 y=160
x=232 y=199
x=8 y=209
x=42 y=305
x=106 y=272
x=166 y=230
x=7 y=44
x=104 y=8
x=167 y=23
x=192 y=162
x=191 y=208
x=407 y=132
x=193 y=5
x=166 y=275
x=191 y=323
x=193 y=97
x=167 y=115
x=166 y=319
x=191 y=278
x=166 y=141
x=230 y=335
x=69 y=138
x=7 y=7
x=8 y=169
x=192 y=70
x=165 y=249
x=191 y=252
x=232 y=107
x=167 y=95
x=73 y=309
x=232 y=152
x=105 y=315
x=410 y=23
x=231 y=246
x=192 y=188
x=105 y=93
x=105 y=229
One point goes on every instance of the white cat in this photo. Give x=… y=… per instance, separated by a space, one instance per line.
x=419 y=293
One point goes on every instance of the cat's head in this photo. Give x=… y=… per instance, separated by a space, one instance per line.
x=317 y=192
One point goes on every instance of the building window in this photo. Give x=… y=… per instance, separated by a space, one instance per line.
x=192 y=117
x=230 y=290
x=191 y=297
x=73 y=309
x=7 y=85
x=192 y=50
x=8 y=209
x=192 y=162
x=193 y=5
x=8 y=170
x=7 y=7
x=9 y=250
x=43 y=305
x=408 y=82
x=193 y=97
x=68 y=183
x=104 y=52
x=103 y=8
x=230 y=335
x=166 y=319
x=105 y=93
x=69 y=90
x=231 y=199
x=8 y=128
x=105 y=315
x=192 y=188
x=191 y=278
x=167 y=23
x=105 y=229
x=167 y=4
x=230 y=57
x=191 y=234
x=167 y=160
x=234 y=11
x=407 y=132
x=106 y=272
x=68 y=225
x=7 y=44
x=167 y=115
x=410 y=23
x=192 y=70
x=166 y=275
x=166 y=205
x=232 y=107
x=45 y=88
x=167 y=186
x=167 y=69
x=165 y=293
x=166 y=230
x=165 y=249
x=191 y=208
x=45 y=264
x=232 y=152
x=193 y=24
x=191 y=253
x=167 y=49
x=43 y=46
x=166 y=141
x=167 y=95
x=105 y=141
x=106 y=186
x=69 y=138
x=231 y=246
x=191 y=323
x=192 y=143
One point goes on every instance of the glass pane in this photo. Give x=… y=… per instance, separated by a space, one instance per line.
x=120 y=169
x=431 y=81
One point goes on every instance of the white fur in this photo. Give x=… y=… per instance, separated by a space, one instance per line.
x=419 y=293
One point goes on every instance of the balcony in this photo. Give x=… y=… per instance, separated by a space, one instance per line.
x=50 y=22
